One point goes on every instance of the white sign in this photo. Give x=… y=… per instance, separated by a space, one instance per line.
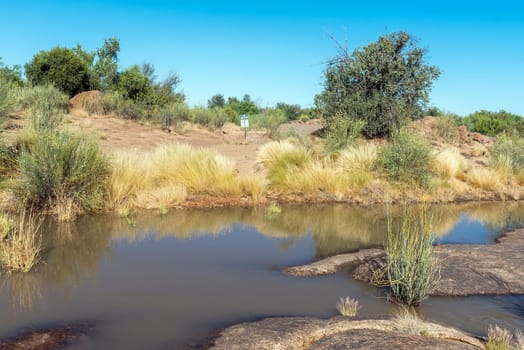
x=244 y=121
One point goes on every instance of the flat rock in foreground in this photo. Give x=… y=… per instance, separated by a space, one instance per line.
x=466 y=269
x=304 y=333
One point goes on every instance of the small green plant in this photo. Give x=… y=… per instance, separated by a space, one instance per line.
x=20 y=250
x=163 y=210
x=406 y=159
x=6 y=99
x=498 y=338
x=348 y=307
x=273 y=210
x=411 y=267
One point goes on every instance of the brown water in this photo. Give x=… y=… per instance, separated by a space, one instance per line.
x=167 y=282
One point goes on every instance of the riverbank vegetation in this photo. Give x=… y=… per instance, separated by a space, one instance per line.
x=373 y=145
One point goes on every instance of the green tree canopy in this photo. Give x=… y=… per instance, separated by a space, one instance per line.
x=215 y=101
x=292 y=112
x=382 y=85
x=61 y=67
x=133 y=84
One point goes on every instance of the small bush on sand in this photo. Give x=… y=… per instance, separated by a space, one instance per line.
x=411 y=266
x=348 y=307
x=21 y=248
x=498 y=338
x=448 y=163
x=406 y=159
x=62 y=166
x=43 y=116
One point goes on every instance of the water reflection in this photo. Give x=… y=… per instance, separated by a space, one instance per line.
x=74 y=251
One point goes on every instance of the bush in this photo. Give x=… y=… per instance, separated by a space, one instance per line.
x=42 y=116
x=406 y=159
x=411 y=268
x=6 y=99
x=62 y=166
x=269 y=120
x=60 y=67
x=28 y=97
x=494 y=123
x=133 y=84
x=510 y=148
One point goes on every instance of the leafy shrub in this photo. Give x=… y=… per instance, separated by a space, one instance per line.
x=406 y=159
x=63 y=166
x=269 y=120
x=133 y=84
x=60 y=67
x=494 y=123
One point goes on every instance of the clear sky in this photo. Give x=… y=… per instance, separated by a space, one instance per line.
x=275 y=50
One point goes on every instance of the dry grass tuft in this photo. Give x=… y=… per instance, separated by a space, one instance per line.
x=20 y=250
x=5 y=225
x=448 y=163
x=358 y=159
x=407 y=321
x=503 y=166
x=498 y=338
x=348 y=307
x=130 y=172
x=254 y=186
x=484 y=178
x=165 y=197
x=519 y=340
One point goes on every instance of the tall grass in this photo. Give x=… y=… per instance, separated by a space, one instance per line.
x=281 y=158
x=43 y=116
x=7 y=99
x=498 y=338
x=21 y=248
x=406 y=159
x=63 y=166
x=27 y=97
x=448 y=163
x=484 y=178
x=167 y=175
x=411 y=268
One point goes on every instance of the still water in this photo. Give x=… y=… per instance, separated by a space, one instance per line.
x=169 y=282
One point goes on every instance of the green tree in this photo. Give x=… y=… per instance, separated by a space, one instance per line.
x=11 y=74
x=105 y=66
x=292 y=112
x=217 y=100
x=133 y=84
x=245 y=106
x=382 y=84
x=61 y=67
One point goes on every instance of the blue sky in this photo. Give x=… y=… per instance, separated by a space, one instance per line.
x=275 y=50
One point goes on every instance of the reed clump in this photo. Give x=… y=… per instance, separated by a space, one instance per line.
x=411 y=267
x=20 y=249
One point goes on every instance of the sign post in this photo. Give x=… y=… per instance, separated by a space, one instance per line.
x=244 y=123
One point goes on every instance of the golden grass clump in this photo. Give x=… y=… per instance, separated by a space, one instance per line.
x=484 y=178
x=162 y=197
x=130 y=172
x=254 y=186
x=21 y=249
x=200 y=170
x=502 y=165
x=448 y=163
x=360 y=158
